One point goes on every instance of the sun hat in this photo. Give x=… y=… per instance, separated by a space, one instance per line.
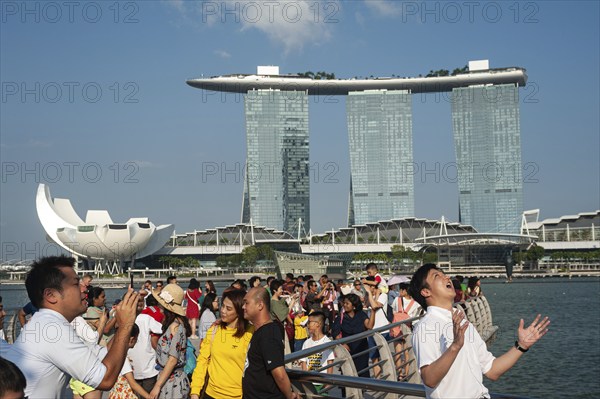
x=93 y=313
x=170 y=298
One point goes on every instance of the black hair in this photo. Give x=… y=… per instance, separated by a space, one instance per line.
x=237 y=298
x=403 y=286
x=289 y=275
x=135 y=330
x=170 y=317
x=456 y=284
x=472 y=282
x=211 y=286
x=207 y=304
x=319 y=315
x=11 y=378
x=93 y=293
x=151 y=300
x=269 y=279
x=372 y=279
x=45 y=274
x=170 y=279
x=194 y=284
x=274 y=286
x=355 y=301
x=310 y=283
x=371 y=266
x=252 y=280
x=417 y=283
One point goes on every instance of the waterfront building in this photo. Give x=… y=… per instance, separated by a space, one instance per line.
x=485 y=116
x=380 y=138
x=487 y=143
x=276 y=186
x=109 y=245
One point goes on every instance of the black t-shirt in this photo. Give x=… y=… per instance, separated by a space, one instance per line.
x=312 y=302
x=265 y=353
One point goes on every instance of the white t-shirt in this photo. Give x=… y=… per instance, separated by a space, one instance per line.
x=380 y=319
x=317 y=360
x=86 y=332
x=48 y=351
x=432 y=336
x=142 y=355
x=206 y=320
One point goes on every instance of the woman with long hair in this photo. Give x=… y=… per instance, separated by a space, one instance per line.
x=192 y=312
x=208 y=313
x=209 y=286
x=223 y=352
x=353 y=320
x=172 y=381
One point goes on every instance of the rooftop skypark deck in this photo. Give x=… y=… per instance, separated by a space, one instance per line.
x=243 y=83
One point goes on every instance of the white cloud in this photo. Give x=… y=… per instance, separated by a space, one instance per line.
x=288 y=23
x=384 y=8
x=222 y=53
x=294 y=23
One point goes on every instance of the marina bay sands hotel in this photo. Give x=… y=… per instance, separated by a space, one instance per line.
x=487 y=144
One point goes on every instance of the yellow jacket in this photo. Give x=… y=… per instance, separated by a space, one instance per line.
x=224 y=355
x=300 y=330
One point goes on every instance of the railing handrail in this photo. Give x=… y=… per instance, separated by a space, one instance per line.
x=365 y=334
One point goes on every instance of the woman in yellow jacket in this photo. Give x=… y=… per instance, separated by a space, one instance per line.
x=223 y=352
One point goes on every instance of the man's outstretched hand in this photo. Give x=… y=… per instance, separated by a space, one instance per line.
x=536 y=330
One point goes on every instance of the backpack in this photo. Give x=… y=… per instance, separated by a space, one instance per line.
x=389 y=312
x=400 y=315
x=190 y=358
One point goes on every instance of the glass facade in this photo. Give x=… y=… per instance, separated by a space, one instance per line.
x=276 y=189
x=381 y=155
x=487 y=143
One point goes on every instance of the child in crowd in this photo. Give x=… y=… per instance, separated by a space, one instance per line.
x=12 y=380
x=316 y=361
x=126 y=386
x=300 y=333
x=379 y=282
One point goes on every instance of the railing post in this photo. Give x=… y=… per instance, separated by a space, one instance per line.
x=348 y=368
x=389 y=366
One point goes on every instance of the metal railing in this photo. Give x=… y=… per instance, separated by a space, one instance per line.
x=398 y=378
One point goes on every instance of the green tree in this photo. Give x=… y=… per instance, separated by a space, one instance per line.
x=250 y=256
x=534 y=254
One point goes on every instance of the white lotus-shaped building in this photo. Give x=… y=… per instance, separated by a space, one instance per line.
x=98 y=237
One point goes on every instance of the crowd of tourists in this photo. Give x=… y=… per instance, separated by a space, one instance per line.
x=164 y=341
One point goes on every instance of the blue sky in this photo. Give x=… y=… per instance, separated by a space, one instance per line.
x=94 y=101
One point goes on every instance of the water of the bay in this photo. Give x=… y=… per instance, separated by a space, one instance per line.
x=564 y=364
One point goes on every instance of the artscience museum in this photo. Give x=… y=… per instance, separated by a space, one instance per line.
x=110 y=245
